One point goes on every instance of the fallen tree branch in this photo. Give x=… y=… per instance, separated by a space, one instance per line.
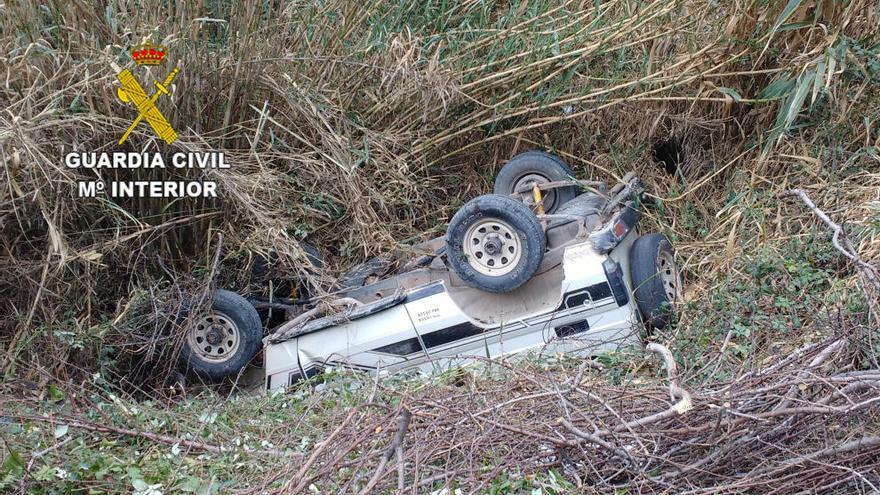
x=815 y=363
x=394 y=447
x=851 y=446
x=616 y=451
x=676 y=392
x=838 y=238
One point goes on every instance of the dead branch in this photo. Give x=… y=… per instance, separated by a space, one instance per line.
x=839 y=238
x=642 y=441
x=394 y=447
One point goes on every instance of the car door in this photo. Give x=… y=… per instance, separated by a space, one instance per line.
x=385 y=340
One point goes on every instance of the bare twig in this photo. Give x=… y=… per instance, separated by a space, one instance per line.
x=394 y=447
x=838 y=238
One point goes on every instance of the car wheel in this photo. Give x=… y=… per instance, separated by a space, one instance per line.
x=495 y=243
x=534 y=167
x=656 y=279
x=224 y=340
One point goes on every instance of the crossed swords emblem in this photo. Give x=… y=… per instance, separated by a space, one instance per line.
x=132 y=91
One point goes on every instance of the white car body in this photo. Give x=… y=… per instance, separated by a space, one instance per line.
x=574 y=306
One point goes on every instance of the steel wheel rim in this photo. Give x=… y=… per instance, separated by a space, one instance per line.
x=549 y=196
x=669 y=276
x=215 y=337
x=492 y=247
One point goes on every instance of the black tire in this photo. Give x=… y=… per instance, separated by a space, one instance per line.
x=230 y=315
x=542 y=167
x=584 y=205
x=513 y=218
x=648 y=260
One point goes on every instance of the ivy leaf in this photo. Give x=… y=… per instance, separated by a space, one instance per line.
x=61 y=430
x=190 y=485
x=14 y=463
x=55 y=393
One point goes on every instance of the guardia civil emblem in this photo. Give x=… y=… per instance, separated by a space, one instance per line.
x=132 y=92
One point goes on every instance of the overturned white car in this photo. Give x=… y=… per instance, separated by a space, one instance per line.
x=538 y=265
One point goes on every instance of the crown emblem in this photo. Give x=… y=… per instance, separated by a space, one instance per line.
x=148 y=54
